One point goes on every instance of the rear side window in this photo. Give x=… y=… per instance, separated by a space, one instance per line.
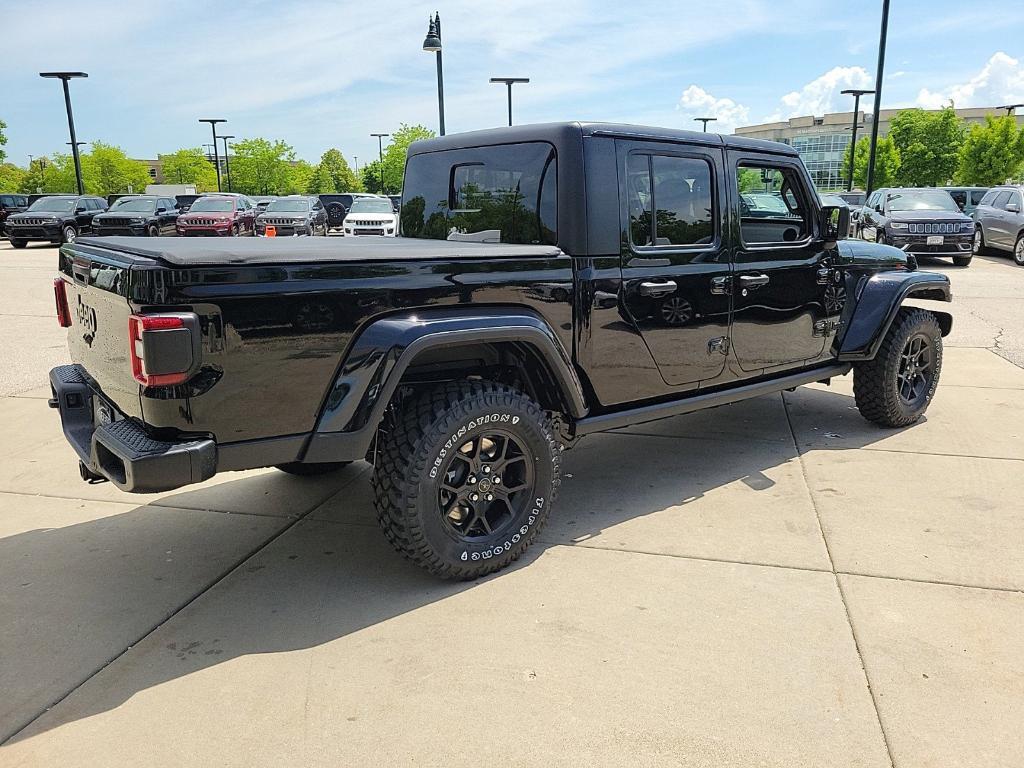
x=976 y=196
x=670 y=201
x=503 y=194
x=7 y=200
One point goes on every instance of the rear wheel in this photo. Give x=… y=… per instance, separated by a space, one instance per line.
x=978 y=247
x=465 y=478
x=301 y=469
x=17 y=242
x=896 y=388
x=1018 y=251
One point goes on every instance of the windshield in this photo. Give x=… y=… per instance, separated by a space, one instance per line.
x=54 y=204
x=921 y=201
x=366 y=205
x=290 y=206
x=214 y=204
x=144 y=206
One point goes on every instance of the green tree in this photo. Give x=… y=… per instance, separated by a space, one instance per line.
x=189 y=166
x=11 y=177
x=928 y=144
x=321 y=182
x=343 y=178
x=261 y=167
x=3 y=141
x=300 y=175
x=887 y=162
x=394 y=160
x=107 y=170
x=991 y=153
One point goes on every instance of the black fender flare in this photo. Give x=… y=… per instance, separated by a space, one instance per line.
x=879 y=298
x=378 y=357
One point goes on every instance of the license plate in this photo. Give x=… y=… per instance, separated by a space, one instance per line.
x=934 y=240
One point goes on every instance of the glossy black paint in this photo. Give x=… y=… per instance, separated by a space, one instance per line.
x=303 y=342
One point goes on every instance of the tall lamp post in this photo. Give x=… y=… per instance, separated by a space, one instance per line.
x=878 y=96
x=432 y=44
x=227 y=163
x=856 y=93
x=380 y=153
x=705 y=121
x=64 y=77
x=213 y=127
x=509 y=82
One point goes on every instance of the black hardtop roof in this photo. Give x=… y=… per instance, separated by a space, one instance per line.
x=188 y=252
x=560 y=133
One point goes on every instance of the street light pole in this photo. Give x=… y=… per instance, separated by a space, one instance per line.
x=856 y=93
x=64 y=77
x=227 y=163
x=509 y=81
x=1009 y=108
x=705 y=121
x=380 y=152
x=432 y=44
x=878 y=96
x=213 y=127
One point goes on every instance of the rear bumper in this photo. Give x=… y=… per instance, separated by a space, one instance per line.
x=121 y=451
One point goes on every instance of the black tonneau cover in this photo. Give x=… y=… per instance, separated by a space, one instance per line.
x=187 y=251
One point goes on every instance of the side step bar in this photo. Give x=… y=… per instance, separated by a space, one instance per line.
x=606 y=421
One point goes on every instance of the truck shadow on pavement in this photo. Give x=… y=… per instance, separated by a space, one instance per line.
x=332 y=573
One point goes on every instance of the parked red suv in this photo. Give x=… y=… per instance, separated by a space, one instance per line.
x=218 y=216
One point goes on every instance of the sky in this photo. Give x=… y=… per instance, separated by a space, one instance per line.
x=327 y=73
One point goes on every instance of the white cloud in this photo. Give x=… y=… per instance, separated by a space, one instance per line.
x=1000 y=81
x=696 y=102
x=820 y=95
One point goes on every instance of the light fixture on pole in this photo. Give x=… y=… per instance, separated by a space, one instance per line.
x=856 y=93
x=878 y=97
x=1009 y=107
x=213 y=127
x=64 y=77
x=227 y=163
x=380 y=152
x=705 y=121
x=432 y=44
x=509 y=82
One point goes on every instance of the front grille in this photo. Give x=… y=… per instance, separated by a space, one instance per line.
x=283 y=222
x=201 y=222
x=33 y=222
x=935 y=228
x=368 y=223
x=113 y=222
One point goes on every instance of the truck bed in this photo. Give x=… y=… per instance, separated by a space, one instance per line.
x=209 y=251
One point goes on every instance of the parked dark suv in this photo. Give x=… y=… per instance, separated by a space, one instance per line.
x=142 y=215
x=298 y=215
x=56 y=218
x=921 y=221
x=11 y=204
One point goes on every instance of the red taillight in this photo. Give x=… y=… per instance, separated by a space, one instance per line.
x=60 y=293
x=137 y=326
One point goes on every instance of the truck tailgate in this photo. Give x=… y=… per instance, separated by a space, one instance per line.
x=97 y=288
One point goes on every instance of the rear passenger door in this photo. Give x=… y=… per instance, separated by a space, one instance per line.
x=781 y=270
x=675 y=259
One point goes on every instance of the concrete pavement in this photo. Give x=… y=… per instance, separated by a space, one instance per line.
x=774 y=583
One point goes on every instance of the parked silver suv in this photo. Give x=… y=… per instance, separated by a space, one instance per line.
x=1000 y=220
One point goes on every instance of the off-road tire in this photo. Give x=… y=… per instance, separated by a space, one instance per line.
x=875 y=382
x=17 y=242
x=301 y=469
x=423 y=440
x=962 y=261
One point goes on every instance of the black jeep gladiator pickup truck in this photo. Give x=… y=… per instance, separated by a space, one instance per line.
x=551 y=281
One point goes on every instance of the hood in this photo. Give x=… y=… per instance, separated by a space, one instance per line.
x=863 y=253
x=122 y=215
x=282 y=216
x=196 y=215
x=910 y=216
x=16 y=217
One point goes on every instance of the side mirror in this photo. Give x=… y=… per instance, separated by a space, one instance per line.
x=834 y=224
x=80 y=209
x=161 y=209
x=1013 y=207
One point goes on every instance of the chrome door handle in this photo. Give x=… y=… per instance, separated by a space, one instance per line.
x=753 y=281
x=658 y=289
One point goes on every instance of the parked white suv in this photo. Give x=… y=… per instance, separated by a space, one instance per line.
x=371 y=216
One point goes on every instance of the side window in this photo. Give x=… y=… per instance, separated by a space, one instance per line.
x=7 y=200
x=989 y=197
x=679 y=190
x=959 y=197
x=976 y=196
x=772 y=208
x=1001 y=199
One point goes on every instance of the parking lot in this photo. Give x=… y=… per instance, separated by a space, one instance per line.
x=772 y=583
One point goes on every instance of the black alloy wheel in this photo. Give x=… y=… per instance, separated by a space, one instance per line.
x=917 y=368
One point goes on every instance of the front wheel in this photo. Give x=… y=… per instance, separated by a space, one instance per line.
x=68 y=234
x=896 y=387
x=234 y=230
x=17 y=242
x=962 y=261
x=153 y=231
x=466 y=475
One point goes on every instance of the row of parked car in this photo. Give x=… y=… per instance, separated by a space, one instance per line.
x=62 y=218
x=952 y=222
